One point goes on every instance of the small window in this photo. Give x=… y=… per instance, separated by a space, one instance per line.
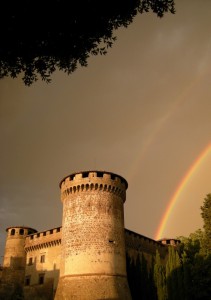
x=41 y=278
x=111 y=241
x=13 y=231
x=51 y=231
x=30 y=261
x=27 y=280
x=42 y=258
x=21 y=231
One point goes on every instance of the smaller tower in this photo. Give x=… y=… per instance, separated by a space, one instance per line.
x=14 y=260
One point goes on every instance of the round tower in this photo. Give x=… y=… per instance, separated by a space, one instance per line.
x=15 y=256
x=93 y=263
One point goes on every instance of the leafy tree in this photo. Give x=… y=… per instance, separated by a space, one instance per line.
x=160 y=278
x=206 y=215
x=201 y=278
x=140 y=278
x=187 y=281
x=147 y=289
x=38 y=37
x=174 y=275
x=192 y=245
x=196 y=267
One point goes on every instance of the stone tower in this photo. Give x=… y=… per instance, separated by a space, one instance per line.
x=93 y=263
x=14 y=260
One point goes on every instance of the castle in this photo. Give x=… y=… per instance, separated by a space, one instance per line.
x=85 y=258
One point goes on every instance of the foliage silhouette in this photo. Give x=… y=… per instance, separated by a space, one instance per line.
x=198 y=285
x=206 y=215
x=160 y=278
x=140 y=278
x=39 y=37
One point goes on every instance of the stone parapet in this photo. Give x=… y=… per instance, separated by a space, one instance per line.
x=142 y=243
x=93 y=180
x=44 y=239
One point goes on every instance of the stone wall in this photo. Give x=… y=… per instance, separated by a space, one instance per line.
x=43 y=256
x=137 y=243
x=48 y=244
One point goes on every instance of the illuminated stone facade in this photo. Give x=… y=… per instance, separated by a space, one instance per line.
x=85 y=259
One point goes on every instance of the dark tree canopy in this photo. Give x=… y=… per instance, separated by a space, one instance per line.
x=206 y=215
x=38 y=37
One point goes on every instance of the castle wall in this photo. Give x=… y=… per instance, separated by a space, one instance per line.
x=43 y=256
x=92 y=256
x=137 y=243
x=42 y=274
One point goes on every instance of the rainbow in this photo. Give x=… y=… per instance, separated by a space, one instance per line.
x=189 y=174
x=160 y=123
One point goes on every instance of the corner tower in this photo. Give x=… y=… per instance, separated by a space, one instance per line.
x=14 y=255
x=14 y=260
x=93 y=263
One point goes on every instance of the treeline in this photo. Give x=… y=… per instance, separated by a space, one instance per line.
x=184 y=275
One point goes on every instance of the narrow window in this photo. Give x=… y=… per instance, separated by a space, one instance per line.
x=30 y=262
x=41 y=278
x=27 y=280
x=42 y=259
x=13 y=231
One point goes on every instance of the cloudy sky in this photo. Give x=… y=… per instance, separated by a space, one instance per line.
x=142 y=111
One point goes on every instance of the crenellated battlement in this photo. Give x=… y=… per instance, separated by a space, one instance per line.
x=93 y=181
x=43 y=239
x=15 y=231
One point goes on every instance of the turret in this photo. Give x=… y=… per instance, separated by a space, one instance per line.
x=14 y=260
x=93 y=263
